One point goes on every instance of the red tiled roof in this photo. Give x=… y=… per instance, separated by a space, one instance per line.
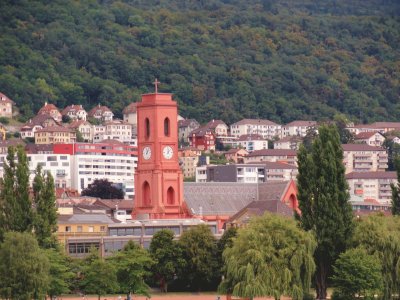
x=75 y=124
x=202 y=131
x=39 y=120
x=4 y=98
x=372 y=175
x=72 y=107
x=214 y=123
x=130 y=109
x=361 y=147
x=47 y=107
x=365 y=135
x=273 y=152
x=55 y=129
x=98 y=108
x=255 y=122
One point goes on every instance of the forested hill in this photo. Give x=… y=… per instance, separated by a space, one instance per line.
x=229 y=59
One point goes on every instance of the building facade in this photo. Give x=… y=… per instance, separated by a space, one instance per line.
x=55 y=134
x=267 y=129
x=364 y=158
x=298 y=128
x=273 y=155
x=6 y=106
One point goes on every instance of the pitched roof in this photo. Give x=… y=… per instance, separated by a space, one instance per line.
x=235 y=150
x=227 y=198
x=255 y=122
x=250 y=137
x=187 y=122
x=4 y=98
x=372 y=175
x=47 y=108
x=273 y=165
x=117 y=122
x=98 y=110
x=214 y=123
x=38 y=148
x=361 y=147
x=39 y=120
x=12 y=142
x=292 y=139
x=76 y=123
x=55 y=129
x=130 y=109
x=111 y=203
x=386 y=124
x=201 y=131
x=72 y=108
x=301 y=123
x=85 y=218
x=273 y=152
x=365 y=135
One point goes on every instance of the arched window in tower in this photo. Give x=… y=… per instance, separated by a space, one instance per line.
x=147 y=127
x=146 y=194
x=170 y=196
x=166 y=127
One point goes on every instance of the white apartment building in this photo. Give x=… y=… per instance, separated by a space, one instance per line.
x=288 y=142
x=272 y=155
x=201 y=174
x=372 y=185
x=251 y=142
x=267 y=129
x=114 y=130
x=364 y=158
x=297 y=128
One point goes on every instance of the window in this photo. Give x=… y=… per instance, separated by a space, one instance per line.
x=102 y=228
x=147 y=127
x=67 y=228
x=79 y=229
x=166 y=127
x=91 y=229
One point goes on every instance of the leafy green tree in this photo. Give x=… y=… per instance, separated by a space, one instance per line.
x=15 y=206
x=396 y=190
x=270 y=257
x=167 y=256
x=45 y=218
x=133 y=265
x=226 y=241
x=103 y=189
x=199 y=251
x=323 y=200
x=24 y=267
x=99 y=277
x=380 y=236
x=357 y=274
x=60 y=274
x=79 y=136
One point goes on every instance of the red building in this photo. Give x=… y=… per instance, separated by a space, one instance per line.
x=202 y=139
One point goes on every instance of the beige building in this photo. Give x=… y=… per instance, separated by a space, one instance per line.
x=55 y=135
x=102 y=113
x=114 y=130
x=267 y=129
x=297 y=128
x=189 y=160
x=129 y=114
x=273 y=155
x=85 y=128
x=185 y=127
x=51 y=110
x=218 y=127
x=370 y=138
x=364 y=158
x=36 y=123
x=288 y=142
x=372 y=185
x=6 y=106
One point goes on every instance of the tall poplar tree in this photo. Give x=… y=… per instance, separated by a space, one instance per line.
x=44 y=197
x=396 y=189
x=323 y=199
x=15 y=205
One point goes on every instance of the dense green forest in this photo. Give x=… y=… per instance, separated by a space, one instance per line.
x=228 y=59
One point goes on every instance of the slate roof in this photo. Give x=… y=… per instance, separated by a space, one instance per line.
x=187 y=122
x=227 y=198
x=39 y=120
x=110 y=203
x=85 y=219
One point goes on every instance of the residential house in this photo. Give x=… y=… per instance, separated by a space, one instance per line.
x=364 y=158
x=75 y=112
x=288 y=142
x=101 y=113
x=298 y=128
x=51 y=110
x=84 y=127
x=202 y=138
x=266 y=128
x=218 y=127
x=4 y=144
x=372 y=185
x=129 y=114
x=115 y=130
x=38 y=122
x=55 y=134
x=370 y=138
x=236 y=155
x=252 y=142
x=188 y=160
x=6 y=106
x=273 y=155
x=185 y=127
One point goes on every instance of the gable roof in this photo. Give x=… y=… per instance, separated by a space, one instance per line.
x=361 y=147
x=85 y=218
x=4 y=98
x=290 y=138
x=39 y=120
x=76 y=123
x=201 y=131
x=273 y=152
x=301 y=123
x=130 y=109
x=255 y=122
x=214 y=123
x=72 y=108
x=55 y=129
x=99 y=109
x=365 y=135
x=47 y=108
x=187 y=122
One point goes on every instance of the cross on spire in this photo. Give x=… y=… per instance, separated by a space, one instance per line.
x=156 y=83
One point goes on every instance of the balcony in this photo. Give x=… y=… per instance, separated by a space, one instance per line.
x=358 y=192
x=61 y=174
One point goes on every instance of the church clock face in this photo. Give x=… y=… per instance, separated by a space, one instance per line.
x=168 y=152
x=146 y=153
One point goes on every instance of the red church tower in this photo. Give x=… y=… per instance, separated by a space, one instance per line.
x=158 y=177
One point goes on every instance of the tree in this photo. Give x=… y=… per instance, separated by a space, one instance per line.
x=59 y=273
x=99 y=277
x=396 y=190
x=323 y=200
x=357 y=273
x=199 y=251
x=380 y=236
x=271 y=257
x=15 y=206
x=133 y=266
x=103 y=189
x=79 y=136
x=167 y=256
x=45 y=218
x=226 y=241
x=24 y=267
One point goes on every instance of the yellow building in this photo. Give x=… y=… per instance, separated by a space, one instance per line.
x=54 y=135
